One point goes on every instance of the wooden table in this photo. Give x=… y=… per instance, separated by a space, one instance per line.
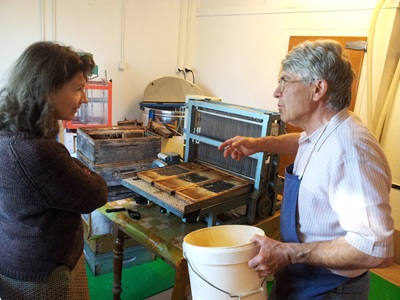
x=162 y=233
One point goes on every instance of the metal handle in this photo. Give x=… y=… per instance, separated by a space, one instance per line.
x=239 y=296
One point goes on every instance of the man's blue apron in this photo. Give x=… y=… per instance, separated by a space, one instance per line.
x=300 y=281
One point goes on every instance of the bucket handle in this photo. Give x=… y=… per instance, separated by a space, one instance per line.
x=240 y=296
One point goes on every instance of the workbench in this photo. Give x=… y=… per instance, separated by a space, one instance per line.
x=162 y=234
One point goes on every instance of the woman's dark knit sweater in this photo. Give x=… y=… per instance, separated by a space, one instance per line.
x=43 y=192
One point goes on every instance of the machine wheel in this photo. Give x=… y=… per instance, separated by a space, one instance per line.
x=264 y=207
x=191 y=217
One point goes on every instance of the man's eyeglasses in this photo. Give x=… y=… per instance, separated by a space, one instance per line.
x=283 y=82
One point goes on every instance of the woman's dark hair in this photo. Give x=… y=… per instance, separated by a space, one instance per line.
x=43 y=68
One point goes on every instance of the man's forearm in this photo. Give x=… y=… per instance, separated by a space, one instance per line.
x=281 y=144
x=335 y=254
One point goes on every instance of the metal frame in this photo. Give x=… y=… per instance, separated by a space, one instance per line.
x=266 y=181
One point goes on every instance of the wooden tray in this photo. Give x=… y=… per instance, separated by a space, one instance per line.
x=173 y=184
x=193 y=182
x=156 y=174
x=214 y=188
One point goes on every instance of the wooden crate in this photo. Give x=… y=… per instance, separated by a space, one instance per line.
x=113 y=173
x=117 y=144
x=117 y=152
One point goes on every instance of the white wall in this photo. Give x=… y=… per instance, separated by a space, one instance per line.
x=233 y=46
x=239 y=44
x=151 y=33
x=20 y=25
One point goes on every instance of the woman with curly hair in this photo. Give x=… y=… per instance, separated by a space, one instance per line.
x=43 y=190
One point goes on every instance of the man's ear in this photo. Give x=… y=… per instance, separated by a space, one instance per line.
x=320 y=89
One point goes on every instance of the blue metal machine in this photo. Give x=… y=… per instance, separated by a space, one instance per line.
x=207 y=124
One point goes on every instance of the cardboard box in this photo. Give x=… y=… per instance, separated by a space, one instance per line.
x=390 y=274
x=270 y=225
x=104 y=243
x=397 y=247
x=103 y=263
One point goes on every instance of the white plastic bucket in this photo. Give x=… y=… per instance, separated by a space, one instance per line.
x=217 y=260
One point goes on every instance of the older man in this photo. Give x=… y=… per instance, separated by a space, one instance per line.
x=335 y=215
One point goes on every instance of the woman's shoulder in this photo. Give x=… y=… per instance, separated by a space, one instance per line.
x=28 y=145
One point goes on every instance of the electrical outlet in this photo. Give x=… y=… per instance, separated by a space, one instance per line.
x=179 y=70
x=122 y=65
